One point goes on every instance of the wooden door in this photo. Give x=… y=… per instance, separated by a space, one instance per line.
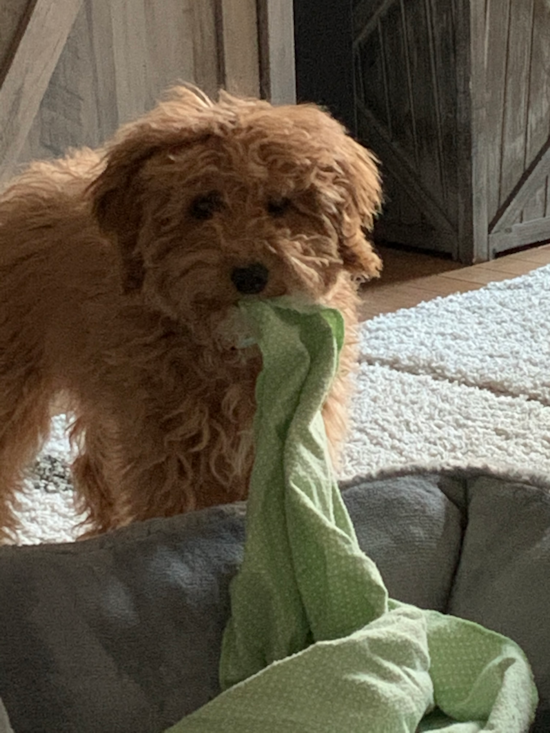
x=518 y=122
x=71 y=71
x=454 y=96
x=408 y=93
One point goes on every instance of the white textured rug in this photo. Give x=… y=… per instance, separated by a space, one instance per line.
x=458 y=381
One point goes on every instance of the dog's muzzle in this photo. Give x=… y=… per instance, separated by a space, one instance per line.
x=250 y=280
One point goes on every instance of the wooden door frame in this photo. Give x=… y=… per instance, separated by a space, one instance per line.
x=277 y=55
x=473 y=232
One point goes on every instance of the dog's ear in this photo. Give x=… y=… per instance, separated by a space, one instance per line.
x=117 y=202
x=183 y=116
x=363 y=203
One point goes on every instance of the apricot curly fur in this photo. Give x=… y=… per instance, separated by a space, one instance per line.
x=120 y=270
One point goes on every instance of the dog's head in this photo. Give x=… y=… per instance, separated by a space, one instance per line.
x=212 y=202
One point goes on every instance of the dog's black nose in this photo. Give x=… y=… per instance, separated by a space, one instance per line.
x=250 y=280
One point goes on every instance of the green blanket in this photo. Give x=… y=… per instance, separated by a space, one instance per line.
x=314 y=644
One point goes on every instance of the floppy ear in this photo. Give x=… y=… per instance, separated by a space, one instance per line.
x=117 y=202
x=184 y=115
x=363 y=203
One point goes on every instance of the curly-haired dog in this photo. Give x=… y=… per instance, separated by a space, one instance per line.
x=119 y=272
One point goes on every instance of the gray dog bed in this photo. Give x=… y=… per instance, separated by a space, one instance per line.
x=121 y=634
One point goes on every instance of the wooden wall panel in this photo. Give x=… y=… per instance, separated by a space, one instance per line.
x=131 y=61
x=498 y=23
x=538 y=121
x=80 y=105
x=239 y=24
x=102 y=67
x=424 y=91
x=68 y=115
x=372 y=82
x=207 y=64
x=516 y=95
x=117 y=60
x=518 y=87
x=13 y=15
x=277 y=52
x=83 y=67
x=443 y=52
x=401 y=107
x=455 y=99
x=170 y=42
x=537 y=206
x=153 y=46
x=473 y=132
x=29 y=74
x=525 y=141
x=407 y=89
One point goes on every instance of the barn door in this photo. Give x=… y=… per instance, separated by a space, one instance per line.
x=454 y=96
x=518 y=117
x=407 y=94
x=71 y=71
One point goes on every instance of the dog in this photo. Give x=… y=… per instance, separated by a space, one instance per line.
x=120 y=271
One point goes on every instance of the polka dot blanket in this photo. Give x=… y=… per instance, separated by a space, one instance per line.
x=314 y=644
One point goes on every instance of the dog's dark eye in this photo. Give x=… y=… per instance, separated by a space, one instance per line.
x=278 y=207
x=204 y=207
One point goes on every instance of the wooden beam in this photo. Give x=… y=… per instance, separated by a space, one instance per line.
x=277 y=61
x=520 y=235
x=471 y=46
x=14 y=15
x=523 y=191
x=366 y=16
x=29 y=74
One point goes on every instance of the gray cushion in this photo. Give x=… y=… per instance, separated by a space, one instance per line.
x=122 y=633
x=503 y=579
x=413 y=532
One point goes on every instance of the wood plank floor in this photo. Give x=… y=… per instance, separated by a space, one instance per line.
x=409 y=277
